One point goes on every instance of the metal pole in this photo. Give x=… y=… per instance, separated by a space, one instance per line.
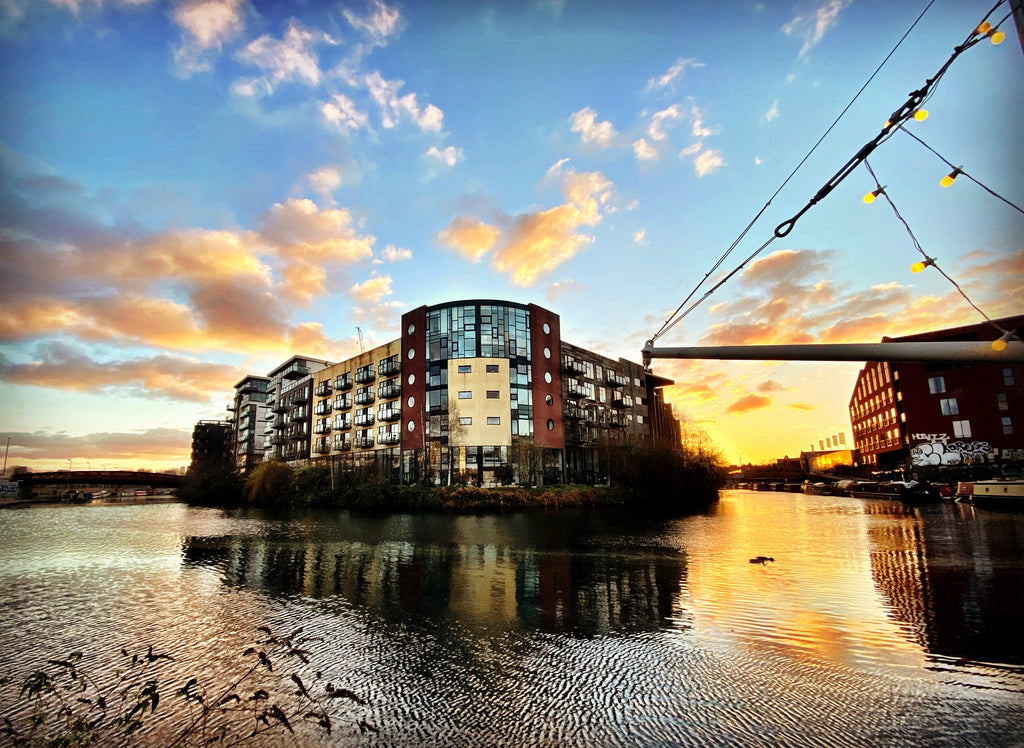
x=6 y=451
x=949 y=352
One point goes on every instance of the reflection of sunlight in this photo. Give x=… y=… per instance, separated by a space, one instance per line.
x=817 y=601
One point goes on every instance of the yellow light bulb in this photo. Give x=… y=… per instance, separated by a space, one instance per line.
x=984 y=27
x=921 y=115
x=870 y=198
x=998 y=37
x=917 y=267
x=946 y=181
x=998 y=344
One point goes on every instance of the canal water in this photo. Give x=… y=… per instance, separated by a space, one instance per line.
x=876 y=623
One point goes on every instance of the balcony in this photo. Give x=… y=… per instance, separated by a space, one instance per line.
x=389 y=367
x=296 y=371
x=280 y=408
x=614 y=380
x=322 y=428
x=391 y=437
x=322 y=447
x=323 y=408
x=299 y=415
x=364 y=421
x=576 y=391
x=278 y=439
x=342 y=445
x=343 y=425
x=278 y=425
x=389 y=389
x=364 y=442
x=365 y=374
x=365 y=398
x=343 y=382
x=231 y=408
x=389 y=414
x=572 y=367
x=343 y=403
x=324 y=389
x=301 y=398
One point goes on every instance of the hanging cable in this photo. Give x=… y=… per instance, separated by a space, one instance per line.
x=928 y=261
x=960 y=170
x=669 y=323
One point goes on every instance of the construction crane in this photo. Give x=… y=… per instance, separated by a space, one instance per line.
x=359 y=332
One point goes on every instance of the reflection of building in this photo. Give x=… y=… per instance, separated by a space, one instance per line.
x=940 y=413
x=485 y=390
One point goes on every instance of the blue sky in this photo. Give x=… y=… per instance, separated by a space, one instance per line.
x=195 y=190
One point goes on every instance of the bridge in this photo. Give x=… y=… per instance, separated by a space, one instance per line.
x=81 y=478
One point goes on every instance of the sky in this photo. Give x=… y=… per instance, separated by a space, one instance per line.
x=195 y=191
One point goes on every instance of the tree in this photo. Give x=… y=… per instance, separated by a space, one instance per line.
x=270 y=482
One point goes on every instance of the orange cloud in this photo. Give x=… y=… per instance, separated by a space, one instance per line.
x=535 y=243
x=159 y=448
x=748 y=403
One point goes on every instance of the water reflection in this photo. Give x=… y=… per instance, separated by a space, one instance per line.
x=556 y=574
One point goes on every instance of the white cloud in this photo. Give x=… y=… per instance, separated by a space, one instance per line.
x=643 y=150
x=656 y=128
x=673 y=73
x=556 y=168
x=707 y=162
x=325 y=181
x=392 y=106
x=812 y=26
x=206 y=26
x=343 y=113
x=449 y=156
x=639 y=236
x=291 y=58
x=591 y=131
x=381 y=23
x=394 y=254
x=773 y=111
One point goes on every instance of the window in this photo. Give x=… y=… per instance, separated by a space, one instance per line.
x=937 y=385
x=962 y=429
x=1007 y=376
x=496 y=420
x=466 y=421
x=493 y=368
x=465 y=369
x=949 y=407
x=465 y=395
x=1007 y=425
x=1001 y=401
x=493 y=394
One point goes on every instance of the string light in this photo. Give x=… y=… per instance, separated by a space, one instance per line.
x=917 y=267
x=947 y=180
x=999 y=344
x=870 y=197
x=921 y=115
x=996 y=37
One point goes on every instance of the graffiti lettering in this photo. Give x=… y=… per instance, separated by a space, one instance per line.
x=931 y=438
x=948 y=454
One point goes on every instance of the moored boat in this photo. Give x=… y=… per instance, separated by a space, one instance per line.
x=1005 y=493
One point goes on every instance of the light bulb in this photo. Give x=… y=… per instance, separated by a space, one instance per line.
x=917 y=267
x=984 y=27
x=921 y=115
x=870 y=198
x=948 y=179
x=998 y=37
x=998 y=344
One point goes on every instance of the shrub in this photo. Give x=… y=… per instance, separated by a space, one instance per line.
x=270 y=483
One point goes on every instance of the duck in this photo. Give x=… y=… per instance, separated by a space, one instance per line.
x=763 y=560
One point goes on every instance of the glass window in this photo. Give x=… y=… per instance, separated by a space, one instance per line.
x=1001 y=401
x=496 y=420
x=962 y=429
x=1007 y=425
x=1007 y=376
x=465 y=421
x=493 y=368
x=465 y=369
x=465 y=395
x=949 y=406
x=493 y=394
x=936 y=385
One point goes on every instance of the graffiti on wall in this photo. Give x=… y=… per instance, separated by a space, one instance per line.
x=937 y=449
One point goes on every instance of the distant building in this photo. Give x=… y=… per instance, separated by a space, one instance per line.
x=919 y=414
x=483 y=390
x=211 y=441
x=249 y=423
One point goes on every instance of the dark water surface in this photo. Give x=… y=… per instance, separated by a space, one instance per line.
x=877 y=624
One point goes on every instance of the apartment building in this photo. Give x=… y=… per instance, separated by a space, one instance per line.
x=474 y=388
x=249 y=421
x=907 y=414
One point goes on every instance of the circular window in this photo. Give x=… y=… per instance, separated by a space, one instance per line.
x=547 y=377
x=549 y=400
x=412 y=379
x=551 y=425
x=547 y=328
x=411 y=426
x=411 y=354
x=547 y=353
x=412 y=401
x=412 y=329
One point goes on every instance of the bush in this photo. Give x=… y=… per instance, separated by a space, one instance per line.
x=271 y=483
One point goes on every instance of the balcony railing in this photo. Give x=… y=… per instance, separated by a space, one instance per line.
x=365 y=374
x=343 y=425
x=572 y=366
x=364 y=420
x=344 y=382
x=389 y=414
x=614 y=380
x=343 y=403
x=342 y=445
x=389 y=368
x=364 y=398
x=295 y=371
x=323 y=408
x=391 y=437
x=364 y=442
x=322 y=428
x=322 y=447
x=389 y=389
x=301 y=397
x=576 y=390
x=324 y=389
x=299 y=415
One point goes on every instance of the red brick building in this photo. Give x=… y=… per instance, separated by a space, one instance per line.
x=919 y=414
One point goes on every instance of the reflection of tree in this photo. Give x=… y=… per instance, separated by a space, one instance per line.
x=481 y=585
